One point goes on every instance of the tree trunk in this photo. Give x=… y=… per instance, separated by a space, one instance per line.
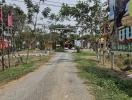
x=28 y=53
x=9 y=64
x=2 y=59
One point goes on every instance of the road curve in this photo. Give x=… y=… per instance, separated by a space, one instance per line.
x=57 y=80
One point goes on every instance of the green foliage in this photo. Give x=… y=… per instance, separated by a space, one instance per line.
x=107 y=84
x=83 y=54
x=65 y=10
x=46 y=12
x=73 y=37
x=28 y=3
x=54 y=17
x=127 y=62
x=84 y=13
x=36 y=8
x=59 y=50
x=18 y=71
x=78 y=49
x=55 y=27
x=91 y=38
x=15 y=73
x=30 y=7
x=62 y=32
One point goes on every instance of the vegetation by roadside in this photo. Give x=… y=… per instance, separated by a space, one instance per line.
x=122 y=61
x=106 y=84
x=60 y=50
x=23 y=69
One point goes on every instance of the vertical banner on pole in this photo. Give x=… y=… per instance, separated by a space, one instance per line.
x=130 y=5
x=1 y=14
x=10 y=19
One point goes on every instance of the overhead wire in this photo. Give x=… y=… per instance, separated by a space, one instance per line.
x=58 y=2
x=47 y=3
x=53 y=5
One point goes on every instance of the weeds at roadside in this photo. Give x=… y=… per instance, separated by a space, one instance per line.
x=14 y=73
x=106 y=83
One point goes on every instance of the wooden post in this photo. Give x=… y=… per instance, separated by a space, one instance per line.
x=98 y=56
x=8 y=50
x=103 y=57
x=9 y=63
x=112 y=60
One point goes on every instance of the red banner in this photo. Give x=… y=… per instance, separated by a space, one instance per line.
x=1 y=14
x=10 y=20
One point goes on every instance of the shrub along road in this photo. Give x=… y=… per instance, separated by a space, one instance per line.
x=57 y=80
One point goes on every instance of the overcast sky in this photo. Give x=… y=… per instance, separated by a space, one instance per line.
x=55 y=6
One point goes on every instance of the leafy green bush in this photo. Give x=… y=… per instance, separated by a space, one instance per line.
x=127 y=62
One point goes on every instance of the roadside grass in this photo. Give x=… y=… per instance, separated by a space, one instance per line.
x=16 y=72
x=89 y=53
x=60 y=50
x=106 y=84
x=121 y=61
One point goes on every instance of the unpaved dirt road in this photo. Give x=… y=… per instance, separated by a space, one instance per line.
x=57 y=80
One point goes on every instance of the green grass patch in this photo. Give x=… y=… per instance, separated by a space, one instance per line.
x=106 y=83
x=16 y=72
x=21 y=70
x=60 y=50
x=82 y=54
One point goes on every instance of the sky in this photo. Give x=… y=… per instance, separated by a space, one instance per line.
x=55 y=5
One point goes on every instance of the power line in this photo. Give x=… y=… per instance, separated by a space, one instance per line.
x=46 y=3
x=58 y=2
x=51 y=5
x=22 y=1
x=40 y=4
x=54 y=1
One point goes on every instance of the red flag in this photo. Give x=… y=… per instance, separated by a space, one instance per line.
x=10 y=19
x=1 y=14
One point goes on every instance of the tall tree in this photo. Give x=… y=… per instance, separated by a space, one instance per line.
x=33 y=11
x=86 y=13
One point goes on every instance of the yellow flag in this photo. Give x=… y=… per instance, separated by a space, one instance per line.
x=130 y=7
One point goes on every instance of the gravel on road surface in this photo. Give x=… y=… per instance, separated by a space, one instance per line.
x=57 y=80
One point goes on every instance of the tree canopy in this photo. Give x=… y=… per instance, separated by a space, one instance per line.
x=86 y=14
